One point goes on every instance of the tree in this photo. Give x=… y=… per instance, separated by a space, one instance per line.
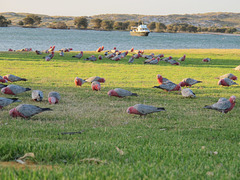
x=132 y=24
x=160 y=27
x=4 y=22
x=96 y=23
x=151 y=26
x=58 y=25
x=81 y=22
x=117 y=25
x=32 y=19
x=107 y=24
x=20 y=23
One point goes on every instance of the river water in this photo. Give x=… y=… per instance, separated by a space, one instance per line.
x=43 y=38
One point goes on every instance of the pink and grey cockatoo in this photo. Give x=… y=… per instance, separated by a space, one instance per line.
x=170 y=86
x=166 y=59
x=91 y=58
x=173 y=62
x=182 y=58
x=142 y=109
x=117 y=58
x=229 y=75
x=188 y=93
x=2 y=80
x=37 y=95
x=206 y=60
x=95 y=78
x=118 y=92
x=109 y=56
x=223 y=105
x=100 y=57
x=79 y=55
x=131 y=59
x=152 y=61
x=26 y=110
x=14 y=89
x=51 y=49
x=78 y=81
x=54 y=97
x=96 y=86
x=162 y=80
x=131 y=50
x=61 y=53
x=49 y=57
x=159 y=55
x=13 y=78
x=7 y=101
x=148 y=56
x=188 y=82
x=38 y=52
x=137 y=56
x=226 y=82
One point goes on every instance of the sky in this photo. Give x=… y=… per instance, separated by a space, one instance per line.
x=96 y=7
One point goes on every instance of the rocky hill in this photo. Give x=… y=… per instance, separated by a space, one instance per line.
x=218 y=19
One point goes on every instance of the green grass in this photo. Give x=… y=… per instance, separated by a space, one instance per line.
x=176 y=144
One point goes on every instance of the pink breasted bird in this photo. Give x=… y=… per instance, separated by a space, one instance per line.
x=131 y=50
x=167 y=59
x=99 y=49
x=54 y=97
x=95 y=78
x=148 y=56
x=226 y=82
x=38 y=52
x=223 y=105
x=49 y=57
x=159 y=55
x=14 y=89
x=182 y=58
x=142 y=109
x=79 y=55
x=110 y=55
x=91 y=58
x=118 y=92
x=13 y=78
x=162 y=80
x=188 y=82
x=78 y=81
x=100 y=57
x=206 y=60
x=170 y=86
x=26 y=110
x=173 y=62
x=229 y=75
x=96 y=86
x=7 y=101
x=2 y=80
x=37 y=95
x=152 y=61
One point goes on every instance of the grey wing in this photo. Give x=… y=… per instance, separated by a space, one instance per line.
x=187 y=93
x=145 y=109
x=28 y=110
x=54 y=94
x=222 y=99
x=191 y=81
x=16 y=89
x=5 y=101
x=168 y=86
x=123 y=92
x=165 y=81
x=222 y=105
x=91 y=79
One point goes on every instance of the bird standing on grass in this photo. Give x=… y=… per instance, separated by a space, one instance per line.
x=223 y=105
x=26 y=110
x=13 y=78
x=142 y=109
x=54 y=97
x=170 y=86
x=95 y=78
x=118 y=92
x=78 y=55
x=229 y=75
x=2 y=80
x=226 y=82
x=96 y=86
x=188 y=82
x=78 y=81
x=7 y=101
x=14 y=89
x=37 y=95
x=188 y=93
x=162 y=80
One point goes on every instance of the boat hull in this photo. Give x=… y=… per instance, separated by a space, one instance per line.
x=139 y=33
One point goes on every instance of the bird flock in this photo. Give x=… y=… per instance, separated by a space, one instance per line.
x=27 y=110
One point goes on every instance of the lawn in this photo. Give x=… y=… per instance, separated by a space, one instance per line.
x=184 y=142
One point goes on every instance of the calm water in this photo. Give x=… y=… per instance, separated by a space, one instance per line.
x=41 y=39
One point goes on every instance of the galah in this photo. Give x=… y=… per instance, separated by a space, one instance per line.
x=96 y=86
x=51 y=49
x=137 y=56
x=26 y=110
x=131 y=59
x=142 y=109
x=100 y=57
x=159 y=55
x=7 y=101
x=124 y=54
x=114 y=50
x=78 y=81
x=206 y=60
x=91 y=58
x=14 y=89
x=2 y=86
x=226 y=82
x=152 y=61
x=2 y=80
x=13 y=78
x=54 y=97
x=131 y=50
x=223 y=105
x=100 y=49
x=10 y=49
x=182 y=58
x=188 y=82
x=237 y=68
x=37 y=95
x=38 y=52
x=148 y=56
x=229 y=75
x=117 y=58
x=49 y=57
x=162 y=80
x=188 y=93
x=118 y=92
x=95 y=78
x=173 y=62
x=110 y=55
x=61 y=53
x=170 y=86
x=166 y=59
x=79 y=55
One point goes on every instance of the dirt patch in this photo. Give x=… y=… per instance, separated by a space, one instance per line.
x=28 y=165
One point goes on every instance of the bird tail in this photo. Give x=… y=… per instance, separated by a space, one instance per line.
x=207 y=107
x=134 y=94
x=46 y=109
x=23 y=79
x=73 y=56
x=157 y=87
x=15 y=99
x=199 y=81
x=28 y=89
x=161 y=109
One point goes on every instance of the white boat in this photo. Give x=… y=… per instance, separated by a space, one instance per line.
x=141 y=30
